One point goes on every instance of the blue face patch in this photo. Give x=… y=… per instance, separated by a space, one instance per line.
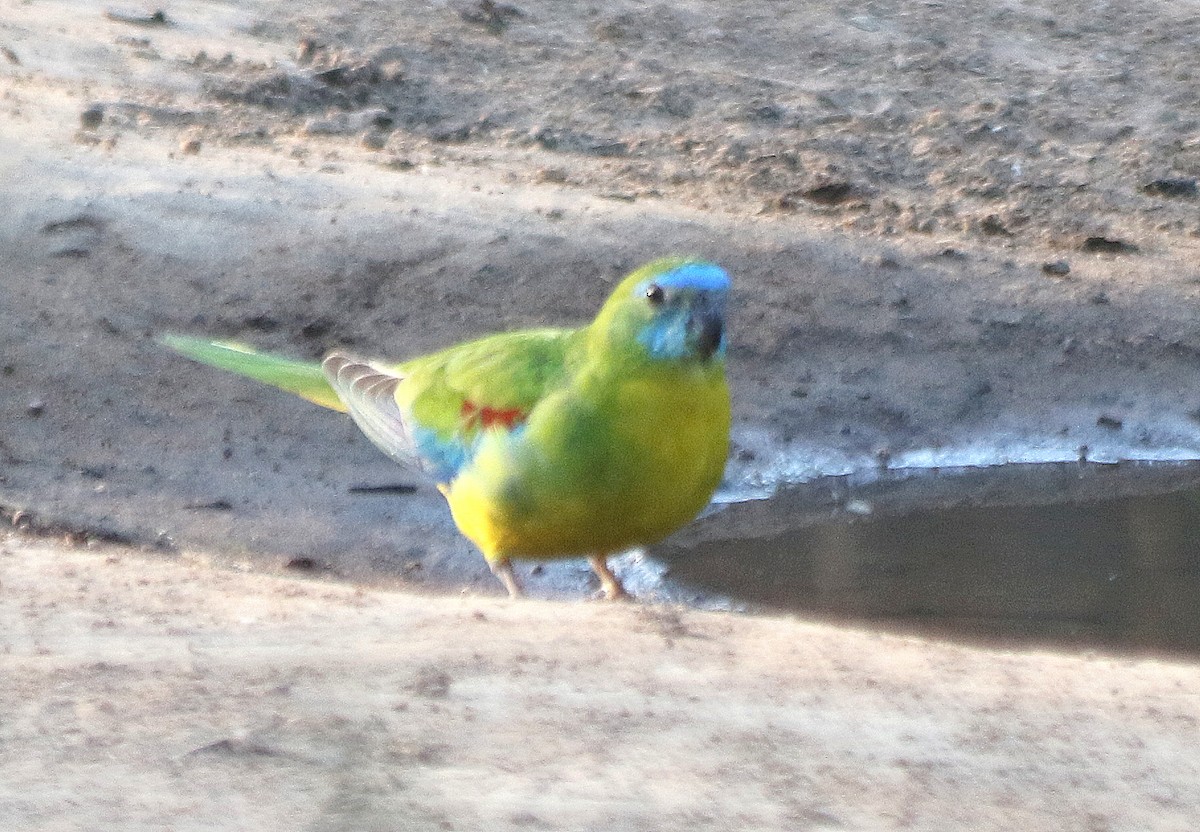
x=688 y=317
x=666 y=337
x=701 y=277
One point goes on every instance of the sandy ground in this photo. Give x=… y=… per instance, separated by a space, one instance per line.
x=949 y=224
x=145 y=694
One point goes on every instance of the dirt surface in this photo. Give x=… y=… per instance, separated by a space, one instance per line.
x=952 y=226
x=886 y=185
x=145 y=694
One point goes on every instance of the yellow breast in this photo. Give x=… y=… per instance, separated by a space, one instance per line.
x=585 y=479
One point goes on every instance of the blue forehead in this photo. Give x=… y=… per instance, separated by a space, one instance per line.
x=702 y=277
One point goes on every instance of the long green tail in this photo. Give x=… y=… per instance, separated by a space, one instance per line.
x=303 y=378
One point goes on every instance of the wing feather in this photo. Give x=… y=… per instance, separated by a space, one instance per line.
x=431 y=411
x=369 y=394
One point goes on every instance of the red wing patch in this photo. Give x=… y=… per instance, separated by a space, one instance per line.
x=474 y=416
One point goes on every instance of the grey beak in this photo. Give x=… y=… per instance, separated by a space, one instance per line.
x=707 y=328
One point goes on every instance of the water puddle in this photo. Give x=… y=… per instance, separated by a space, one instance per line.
x=1086 y=555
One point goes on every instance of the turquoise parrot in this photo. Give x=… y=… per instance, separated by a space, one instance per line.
x=548 y=443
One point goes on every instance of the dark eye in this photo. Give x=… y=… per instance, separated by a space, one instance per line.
x=655 y=294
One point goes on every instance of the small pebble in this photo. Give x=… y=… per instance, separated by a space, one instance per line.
x=36 y=408
x=138 y=18
x=92 y=117
x=555 y=175
x=189 y=147
x=1057 y=268
x=373 y=140
x=1108 y=245
x=306 y=50
x=1179 y=187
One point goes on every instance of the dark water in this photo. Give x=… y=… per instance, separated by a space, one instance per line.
x=1103 y=556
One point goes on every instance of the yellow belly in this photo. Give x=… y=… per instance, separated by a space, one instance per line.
x=594 y=480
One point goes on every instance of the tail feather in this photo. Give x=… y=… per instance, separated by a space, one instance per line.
x=303 y=378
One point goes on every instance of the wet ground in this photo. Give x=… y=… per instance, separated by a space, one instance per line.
x=1076 y=555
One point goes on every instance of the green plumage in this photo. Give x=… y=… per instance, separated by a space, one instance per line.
x=548 y=442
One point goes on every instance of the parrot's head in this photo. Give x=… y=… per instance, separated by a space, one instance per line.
x=671 y=310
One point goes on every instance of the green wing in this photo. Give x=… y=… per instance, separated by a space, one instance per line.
x=491 y=380
x=428 y=411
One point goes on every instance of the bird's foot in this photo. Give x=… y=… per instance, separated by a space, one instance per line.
x=503 y=570
x=609 y=583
